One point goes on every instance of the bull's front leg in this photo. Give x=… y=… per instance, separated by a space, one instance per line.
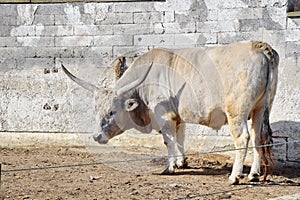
x=180 y=136
x=169 y=131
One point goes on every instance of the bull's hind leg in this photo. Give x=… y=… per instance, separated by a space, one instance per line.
x=180 y=136
x=240 y=135
x=255 y=138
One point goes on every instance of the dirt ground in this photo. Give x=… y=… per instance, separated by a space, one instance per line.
x=206 y=177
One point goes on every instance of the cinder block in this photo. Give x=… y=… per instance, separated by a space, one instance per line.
x=8 y=21
x=69 y=41
x=293 y=153
x=35 y=41
x=154 y=40
x=129 y=51
x=54 y=30
x=61 y=19
x=54 y=52
x=168 y=16
x=29 y=63
x=51 y=9
x=5 y=31
x=230 y=37
x=212 y=15
x=64 y=19
x=172 y=5
x=279 y=149
x=22 y=139
x=275 y=18
x=247 y=25
x=97 y=8
x=8 y=41
x=44 y=20
x=133 y=29
x=195 y=39
x=175 y=28
x=293 y=23
x=276 y=38
x=287 y=131
x=8 y=53
x=229 y=26
x=8 y=10
x=112 y=40
x=133 y=7
x=293 y=35
x=23 y=31
x=212 y=4
x=240 y=13
x=93 y=52
x=87 y=19
x=86 y=30
x=187 y=16
x=292 y=49
x=208 y=26
x=232 y=4
x=218 y=26
x=148 y=17
x=117 y=18
x=25 y=52
x=6 y=64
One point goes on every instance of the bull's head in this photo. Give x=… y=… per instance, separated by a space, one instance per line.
x=127 y=110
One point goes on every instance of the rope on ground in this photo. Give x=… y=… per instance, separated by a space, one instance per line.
x=138 y=160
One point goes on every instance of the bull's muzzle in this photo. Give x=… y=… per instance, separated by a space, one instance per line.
x=101 y=138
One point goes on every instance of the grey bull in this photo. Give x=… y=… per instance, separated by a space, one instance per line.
x=165 y=88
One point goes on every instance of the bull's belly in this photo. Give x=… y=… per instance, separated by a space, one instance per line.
x=215 y=118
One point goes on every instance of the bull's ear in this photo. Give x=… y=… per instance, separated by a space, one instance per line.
x=131 y=104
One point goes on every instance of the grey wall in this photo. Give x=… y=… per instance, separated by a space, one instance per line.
x=35 y=96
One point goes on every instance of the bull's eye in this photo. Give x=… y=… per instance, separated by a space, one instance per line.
x=111 y=113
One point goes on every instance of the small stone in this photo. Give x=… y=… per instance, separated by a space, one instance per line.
x=288 y=181
x=127 y=183
x=93 y=178
x=134 y=193
x=17 y=177
x=226 y=196
x=173 y=185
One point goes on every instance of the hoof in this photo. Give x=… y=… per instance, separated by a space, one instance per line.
x=253 y=177
x=168 y=171
x=233 y=181
x=182 y=165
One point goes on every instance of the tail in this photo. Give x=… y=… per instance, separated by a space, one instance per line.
x=266 y=131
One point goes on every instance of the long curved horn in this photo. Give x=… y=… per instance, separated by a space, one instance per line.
x=82 y=83
x=133 y=84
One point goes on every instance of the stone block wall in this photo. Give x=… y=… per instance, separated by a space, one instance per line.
x=35 y=95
